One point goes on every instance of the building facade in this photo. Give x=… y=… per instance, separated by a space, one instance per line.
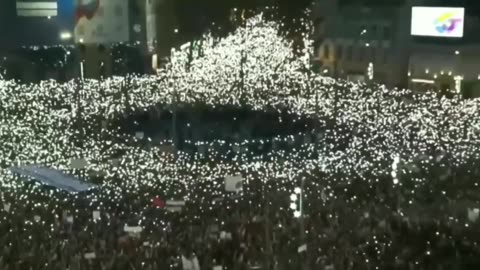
x=374 y=43
x=362 y=43
x=93 y=31
x=448 y=64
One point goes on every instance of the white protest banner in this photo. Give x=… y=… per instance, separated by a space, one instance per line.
x=133 y=230
x=302 y=248
x=218 y=267
x=174 y=206
x=473 y=214
x=96 y=215
x=78 y=163
x=139 y=135
x=6 y=207
x=90 y=256
x=167 y=148
x=233 y=183
x=69 y=219
x=329 y=267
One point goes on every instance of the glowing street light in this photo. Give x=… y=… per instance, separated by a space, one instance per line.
x=65 y=35
x=370 y=71
x=293 y=206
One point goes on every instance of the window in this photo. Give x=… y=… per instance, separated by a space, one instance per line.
x=386 y=33
x=361 y=54
x=326 y=51
x=339 y=52
x=373 y=31
x=118 y=11
x=349 y=53
x=385 y=56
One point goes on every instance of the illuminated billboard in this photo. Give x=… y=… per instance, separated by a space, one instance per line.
x=438 y=21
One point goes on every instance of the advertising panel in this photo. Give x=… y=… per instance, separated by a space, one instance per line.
x=438 y=22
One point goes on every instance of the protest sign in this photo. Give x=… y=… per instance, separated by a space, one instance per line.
x=96 y=215
x=233 y=183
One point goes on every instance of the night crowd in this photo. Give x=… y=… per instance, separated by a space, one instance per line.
x=387 y=178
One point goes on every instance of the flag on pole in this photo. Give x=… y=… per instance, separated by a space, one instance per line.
x=37 y=8
x=157 y=202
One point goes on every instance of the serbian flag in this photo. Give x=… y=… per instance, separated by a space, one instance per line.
x=157 y=202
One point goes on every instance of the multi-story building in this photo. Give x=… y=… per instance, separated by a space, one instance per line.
x=442 y=64
x=361 y=43
x=364 y=43
x=93 y=28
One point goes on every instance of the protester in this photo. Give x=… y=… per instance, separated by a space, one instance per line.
x=382 y=179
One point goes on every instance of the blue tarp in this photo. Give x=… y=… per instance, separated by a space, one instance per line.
x=53 y=177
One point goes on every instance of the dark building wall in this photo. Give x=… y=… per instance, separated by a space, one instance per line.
x=18 y=31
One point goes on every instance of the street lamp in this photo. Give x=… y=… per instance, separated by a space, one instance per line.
x=294 y=197
x=458 y=84
x=370 y=71
x=65 y=35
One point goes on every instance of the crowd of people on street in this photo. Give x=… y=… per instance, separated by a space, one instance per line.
x=331 y=174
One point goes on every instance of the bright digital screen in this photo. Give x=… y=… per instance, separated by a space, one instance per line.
x=438 y=21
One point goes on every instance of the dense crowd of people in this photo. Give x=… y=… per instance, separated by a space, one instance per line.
x=387 y=178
